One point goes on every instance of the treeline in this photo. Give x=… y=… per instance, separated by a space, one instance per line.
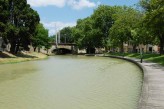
x=113 y=26
x=19 y=26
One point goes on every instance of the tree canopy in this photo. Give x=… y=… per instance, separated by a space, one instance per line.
x=124 y=29
x=86 y=36
x=41 y=38
x=154 y=19
x=113 y=26
x=18 y=21
x=66 y=35
x=107 y=27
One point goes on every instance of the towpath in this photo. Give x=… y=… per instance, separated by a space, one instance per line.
x=153 y=87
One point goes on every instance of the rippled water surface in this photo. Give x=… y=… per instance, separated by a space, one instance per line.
x=70 y=82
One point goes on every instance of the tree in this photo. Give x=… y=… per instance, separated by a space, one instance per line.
x=103 y=20
x=120 y=32
x=66 y=35
x=4 y=13
x=20 y=23
x=154 y=19
x=41 y=38
x=47 y=44
x=126 y=27
x=86 y=36
x=141 y=35
x=52 y=39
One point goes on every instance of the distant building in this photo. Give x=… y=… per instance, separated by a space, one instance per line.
x=145 y=48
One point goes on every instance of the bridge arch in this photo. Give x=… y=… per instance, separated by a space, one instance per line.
x=64 y=48
x=62 y=51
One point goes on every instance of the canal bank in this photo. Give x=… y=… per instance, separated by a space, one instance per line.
x=152 y=96
x=7 y=58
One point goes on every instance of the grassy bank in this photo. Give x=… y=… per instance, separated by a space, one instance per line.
x=6 y=57
x=148 y=57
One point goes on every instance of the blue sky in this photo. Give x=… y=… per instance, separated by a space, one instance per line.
x=56 y=14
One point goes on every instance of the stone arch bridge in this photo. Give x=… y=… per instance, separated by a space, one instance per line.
x=64 y=48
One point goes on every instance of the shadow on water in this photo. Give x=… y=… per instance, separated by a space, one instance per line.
x=14 y=71
x=62 y=51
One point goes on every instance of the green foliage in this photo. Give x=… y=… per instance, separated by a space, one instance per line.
x=18 y=23
x=124 y=28
x=148 y=57
x=41 y=38
x=103 y=20
x=52 y=39
x=66 y=35
x=4 y=13
x=108 y=26
x=112 y=26
x=85 y=35
x=154 y=19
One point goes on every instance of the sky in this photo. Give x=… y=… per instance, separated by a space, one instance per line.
x=57 y=14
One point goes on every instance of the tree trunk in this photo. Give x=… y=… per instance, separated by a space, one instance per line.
x=38 y=49
x=146 y=48
x=12 y=48
x=134 y=48
x=122 y=47
x=88 y=50
x=106 y=49
x=17 y=48
x=34 y=49
x=161 y=45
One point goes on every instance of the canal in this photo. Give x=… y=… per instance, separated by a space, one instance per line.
x=70 y=82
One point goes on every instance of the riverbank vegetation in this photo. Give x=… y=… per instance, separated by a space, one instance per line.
x=111 y=27
x=157 y=58
x=20 y=27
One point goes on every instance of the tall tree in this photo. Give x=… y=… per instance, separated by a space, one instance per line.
x=66 y=35
x=21 y=25
x=103 y=20
x=41 y=38
x=154 y=19
x=4 y=14
x=86 y=36
x=125 y=27
x=53 y=38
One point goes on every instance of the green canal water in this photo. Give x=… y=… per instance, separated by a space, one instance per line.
x=70 y=82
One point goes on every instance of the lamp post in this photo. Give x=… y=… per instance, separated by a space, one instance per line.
x=59 y=37
x=56 y=36
x=56 y=40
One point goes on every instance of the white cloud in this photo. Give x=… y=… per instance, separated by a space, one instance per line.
x=57 y=25
x=75 y=4
x=81 y=4
x=39 y=3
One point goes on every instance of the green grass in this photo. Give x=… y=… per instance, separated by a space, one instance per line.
x=148 y=57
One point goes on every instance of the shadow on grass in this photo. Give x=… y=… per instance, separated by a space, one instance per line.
x=5 y=55
x=135 y=55
x=159 y=59
x=148 y=57
x=25 y=55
